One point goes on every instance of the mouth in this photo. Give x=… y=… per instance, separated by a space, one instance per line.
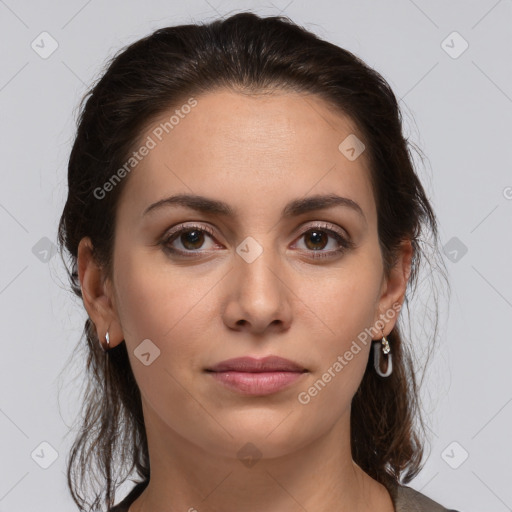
x=251 y=376
x=255 y=365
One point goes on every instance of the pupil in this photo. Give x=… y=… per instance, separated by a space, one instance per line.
x=192 y=240
x=316 y=237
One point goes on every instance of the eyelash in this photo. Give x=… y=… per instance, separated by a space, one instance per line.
x=345 y=244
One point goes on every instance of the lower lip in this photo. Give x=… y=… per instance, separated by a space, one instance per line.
x=255 y=384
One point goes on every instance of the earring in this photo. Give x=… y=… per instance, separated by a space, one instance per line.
x=386 y=349
x=107 y=340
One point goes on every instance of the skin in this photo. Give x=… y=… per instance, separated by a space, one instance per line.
x=255 y=153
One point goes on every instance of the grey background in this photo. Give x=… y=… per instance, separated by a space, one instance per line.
x=458 y=110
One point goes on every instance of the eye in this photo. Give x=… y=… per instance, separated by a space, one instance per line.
x=316 y=238
x=190 y=237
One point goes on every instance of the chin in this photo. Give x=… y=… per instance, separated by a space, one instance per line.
x=256 y=439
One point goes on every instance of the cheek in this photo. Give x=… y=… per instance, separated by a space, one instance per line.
x=163 y=307
x=173 y=309
x=149 y=301
x=340 y=311
x=166 y=305
x=344 y=301
x=343 y=310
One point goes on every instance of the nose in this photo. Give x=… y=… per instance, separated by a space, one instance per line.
x=259 y=295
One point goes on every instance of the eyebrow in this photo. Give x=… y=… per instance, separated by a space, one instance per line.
x=292 y=209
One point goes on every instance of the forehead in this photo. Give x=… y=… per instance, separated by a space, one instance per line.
x=248 y=150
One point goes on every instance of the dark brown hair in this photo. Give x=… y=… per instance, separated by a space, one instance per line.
x=248 y=54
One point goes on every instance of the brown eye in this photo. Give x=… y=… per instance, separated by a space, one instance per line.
x=188 y=240
x=316 y=240
x=192 y=239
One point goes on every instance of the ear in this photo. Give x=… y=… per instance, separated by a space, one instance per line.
x=97 y=295
x=394 y=286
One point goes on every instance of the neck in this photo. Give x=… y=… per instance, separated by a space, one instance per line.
x=318 y=477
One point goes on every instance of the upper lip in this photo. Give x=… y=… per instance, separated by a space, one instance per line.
x=251 y=364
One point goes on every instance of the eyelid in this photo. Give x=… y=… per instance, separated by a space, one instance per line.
x=328 y=226
x=340 y=235
x=184 y=227
x=303 y=228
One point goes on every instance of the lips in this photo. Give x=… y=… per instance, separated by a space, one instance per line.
x=257 y=377
x=253 y=365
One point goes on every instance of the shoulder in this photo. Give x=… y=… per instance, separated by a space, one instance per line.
x=407 y=499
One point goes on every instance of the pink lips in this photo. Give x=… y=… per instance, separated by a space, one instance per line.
x=251 y=376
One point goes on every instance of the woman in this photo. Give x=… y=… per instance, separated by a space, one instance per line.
x=244 y=221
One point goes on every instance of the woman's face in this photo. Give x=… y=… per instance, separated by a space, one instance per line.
x=265 y=279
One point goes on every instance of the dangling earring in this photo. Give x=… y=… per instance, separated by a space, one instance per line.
x=386 y=349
